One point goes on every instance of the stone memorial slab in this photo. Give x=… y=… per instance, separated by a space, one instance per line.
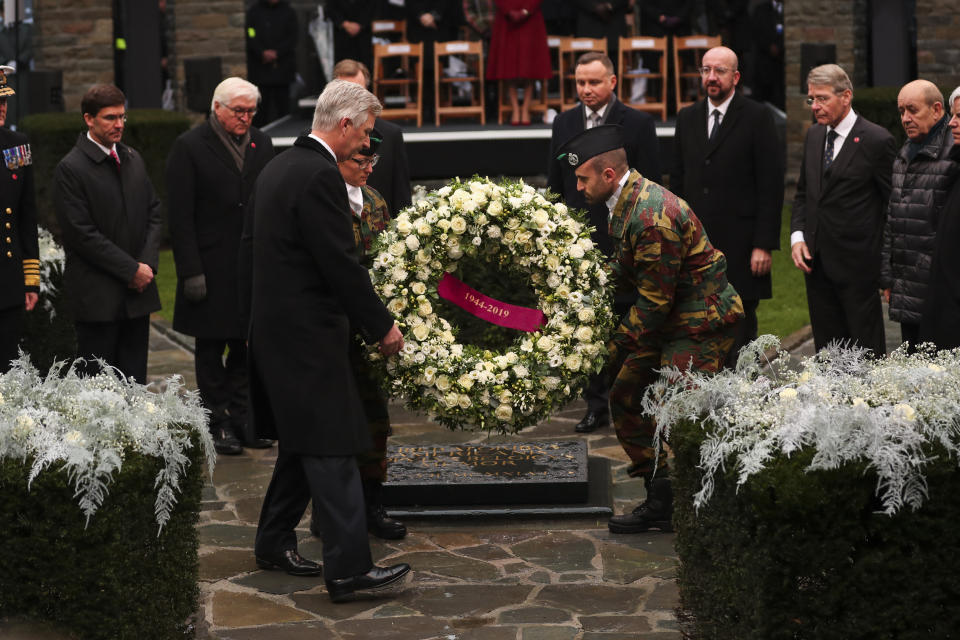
x=513 y=473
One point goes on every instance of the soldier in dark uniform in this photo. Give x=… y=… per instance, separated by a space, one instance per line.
x=370 y=217
x=271 y=56
x=685 y=312
x=19 y=263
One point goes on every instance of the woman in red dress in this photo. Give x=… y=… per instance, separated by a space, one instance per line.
x=518 y=52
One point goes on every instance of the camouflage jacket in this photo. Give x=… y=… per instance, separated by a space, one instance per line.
x=662 y=254
x=372 y=220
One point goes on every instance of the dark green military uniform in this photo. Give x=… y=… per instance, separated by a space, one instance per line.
x=685 y=310
x=373 y=219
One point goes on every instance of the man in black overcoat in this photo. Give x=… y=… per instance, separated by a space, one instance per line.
x=836 y=229
x=733 y=179
x=391 y=176
x=602 y=19
x=211 y=171
x=352 y=34
x=111 y=222
x=596 y=83
x=19 y=263
x=307 y=292
x=271 y=55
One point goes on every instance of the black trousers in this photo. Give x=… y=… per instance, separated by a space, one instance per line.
x=274 y=104
x=122 y=344
x=597 y=391
x=223 y=382
x=910 y=333
x=844 y=310
x=333 y=483
x=746 y=331
x=11 y=326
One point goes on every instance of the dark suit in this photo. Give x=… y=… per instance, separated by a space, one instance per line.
x=841 y=213
x=643 y=154
x=111 y=221
x=307 y=290
x=207 y=196
x=19 y=265
x=940 y=317
x=611 y=24
x=391 y=176
x=360 y=46
x=734 y=184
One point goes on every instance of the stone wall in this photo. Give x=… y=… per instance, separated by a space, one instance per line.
x=938 y=35
x=75 y=36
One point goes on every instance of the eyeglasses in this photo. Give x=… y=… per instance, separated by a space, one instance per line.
x=237 y=111
x=821 y=100
x=113 y=117
x=369 y=162
x=720 y=71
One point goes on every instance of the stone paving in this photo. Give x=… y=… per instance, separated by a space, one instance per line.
x=476 y=579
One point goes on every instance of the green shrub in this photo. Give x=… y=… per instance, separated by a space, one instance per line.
x=797 y=554
x=52 y=135
x=116 y=578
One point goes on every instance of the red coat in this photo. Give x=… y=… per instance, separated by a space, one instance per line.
x=518 y=49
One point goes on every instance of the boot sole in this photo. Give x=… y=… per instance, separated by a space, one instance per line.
x=663 y=526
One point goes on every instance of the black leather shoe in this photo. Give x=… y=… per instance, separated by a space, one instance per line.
x=592 y=421
x=258 y=443
x=383 y=526
x=225 y=443
x=291 y=562
x=377 y=579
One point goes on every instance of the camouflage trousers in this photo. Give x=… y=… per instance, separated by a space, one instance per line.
x=634 y=368
x=372 y=463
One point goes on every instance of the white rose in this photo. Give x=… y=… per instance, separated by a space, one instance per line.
x=443 y=224
x=412 y=242
x=585 y=243
x=575 y=252
x=560 y=208
x=521 y=371
x=572 y=362
x=397 y=249
x=451 y=399
x=512 y=223
x=455 y=252
x=480 y=219
x=447 y=336
x=552 y=262
x=403 y=226
x=464 y=401
x=527 y=197
x=495 y=208
x=551 y=382
x=443 y=383
x=515 y=202
x=524 y=236
x=418 y=288
x=508 y=237
x=584 y=334
x=504 y=412
x=540 y=217
x=586 y=315
x=458 y=225
x=465 y=381
x=545 y=343
x=420 y=332
x=526 y=346
x=512 y=357
x=425 y=308
x=423 y=227
x=443 y=192
x=396 y=306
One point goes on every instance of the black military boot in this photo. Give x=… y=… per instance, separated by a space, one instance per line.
x=378 y=522
x=655 y=512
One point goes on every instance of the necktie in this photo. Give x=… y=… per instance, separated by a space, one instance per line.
x=594 y=120
x=716 y=124
x=116 y=158
x=828 y=150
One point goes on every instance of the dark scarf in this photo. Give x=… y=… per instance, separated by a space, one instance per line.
x=236 y=146
x=914 y=147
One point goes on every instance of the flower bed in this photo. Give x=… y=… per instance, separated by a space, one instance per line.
x=99 y=497
x=819 y=503
x=483 y=231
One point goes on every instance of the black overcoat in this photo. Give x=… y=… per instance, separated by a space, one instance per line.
x=111 y=221
x=640 y=143
x=207 y=197
x=391 y=176
x=940 y=319
x=18 y=223
x=307 y=288
x=734 y=184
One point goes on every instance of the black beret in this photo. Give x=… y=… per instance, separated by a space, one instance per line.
x=375 y=139
x=590 y=143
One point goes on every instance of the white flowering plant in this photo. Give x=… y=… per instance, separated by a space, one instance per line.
x=52 y=262
x=87 y=426
x=891 y=413
x=532 y=242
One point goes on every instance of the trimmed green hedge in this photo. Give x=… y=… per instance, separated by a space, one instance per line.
x=879 y=105
x=795 y=554
x=52 y=135
x=48 y=339
x=114 y=579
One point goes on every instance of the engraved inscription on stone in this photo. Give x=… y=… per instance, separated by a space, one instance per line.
x=474 y=474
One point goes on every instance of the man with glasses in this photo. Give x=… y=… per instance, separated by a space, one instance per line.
x=211 y=171
x=836 y=229
x=111 y=226
x=370 y=217
x=728 y=167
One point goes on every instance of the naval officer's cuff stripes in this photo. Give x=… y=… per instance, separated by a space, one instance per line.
x=31 y=272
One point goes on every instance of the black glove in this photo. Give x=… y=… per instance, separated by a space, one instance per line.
x=195 y=288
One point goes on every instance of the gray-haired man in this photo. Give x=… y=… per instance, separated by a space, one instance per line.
x=307 y=290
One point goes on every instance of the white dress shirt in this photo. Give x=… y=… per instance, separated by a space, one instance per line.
x=107 y=150
x=611 y=202
x=722 y=108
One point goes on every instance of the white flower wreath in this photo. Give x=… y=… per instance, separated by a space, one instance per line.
x=531 y=241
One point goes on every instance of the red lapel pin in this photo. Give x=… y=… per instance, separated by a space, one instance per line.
x=857 y=139
x=253 y=145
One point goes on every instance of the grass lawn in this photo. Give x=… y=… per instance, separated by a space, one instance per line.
x=781 y=315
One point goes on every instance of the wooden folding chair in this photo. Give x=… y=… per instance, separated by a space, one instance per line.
x=570 y=50
x=401 y=89
x=643 y=60
x=393 y=30
x=687 y=52
x=445 y=86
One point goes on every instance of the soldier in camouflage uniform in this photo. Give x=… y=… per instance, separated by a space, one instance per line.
x=371 y=216
x=685 y=312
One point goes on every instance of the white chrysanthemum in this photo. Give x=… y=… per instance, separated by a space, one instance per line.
x=399 y=274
